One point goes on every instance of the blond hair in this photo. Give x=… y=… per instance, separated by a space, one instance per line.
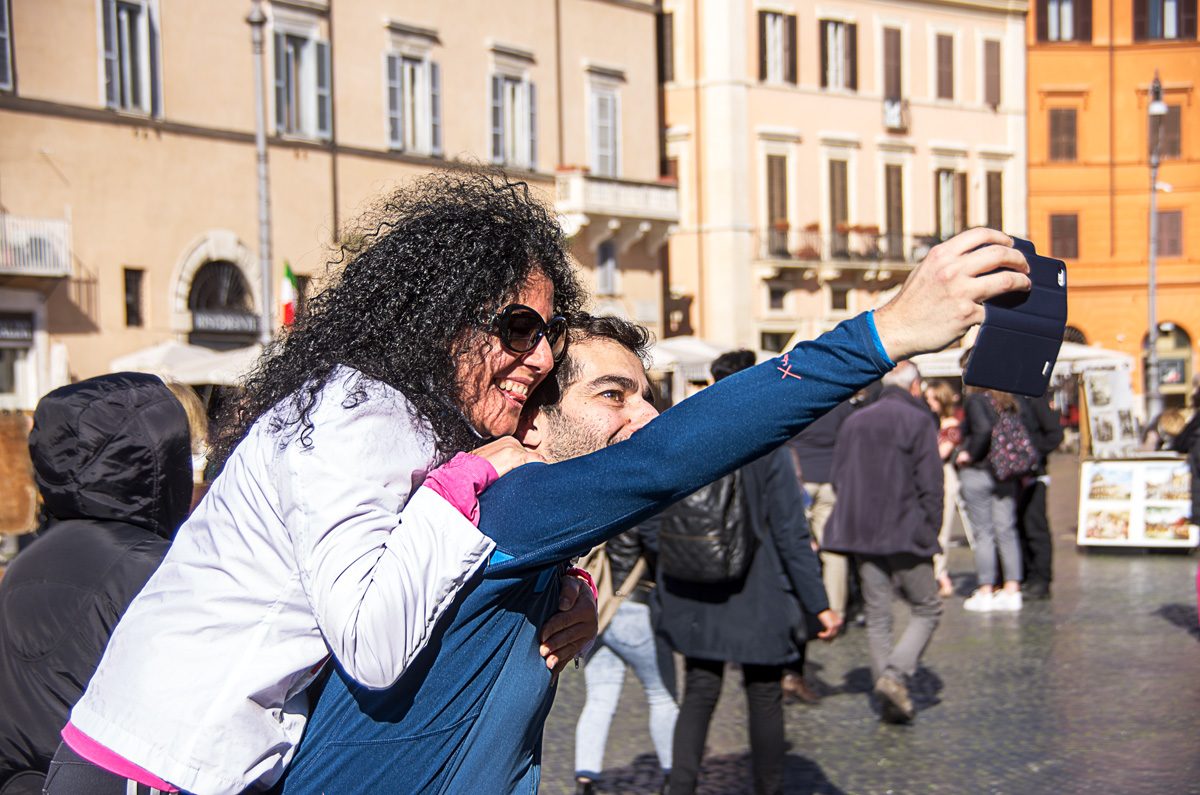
x=944 y=394
x=197 y=417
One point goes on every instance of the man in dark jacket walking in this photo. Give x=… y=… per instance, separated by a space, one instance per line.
x=888 y=478
x=1033 y=525
x=751 y=620
x=112 y=460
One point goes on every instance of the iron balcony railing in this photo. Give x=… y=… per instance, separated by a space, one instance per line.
x=803 y=245
x=34 y=246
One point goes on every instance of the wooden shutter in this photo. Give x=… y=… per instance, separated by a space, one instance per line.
x=435 y=109
x=762 y=45
x=777 y=189
x=838 y=200
x=945 y=62
x=1083 y=20
x=891 y=63
x=281 y=96
x=666 y=47
x=1062 y=134
x=995 y=200
x=112 y=77
x=395 y=98
x=1170 y=144
x=1140 y=28
x=789 y=55
x=324 y=91
x=991 y=69
x=155 y=83
x=937 y=205
x=497 y=119
x=894 y=188
x=533 y=130
x=852 y=55
x=1064 y=236
x=1170 y=233
x=824 y=34
x=960 y=202
x=1043 y=20
x=1187 y=19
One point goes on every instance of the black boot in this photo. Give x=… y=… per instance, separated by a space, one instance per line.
x=584 y=786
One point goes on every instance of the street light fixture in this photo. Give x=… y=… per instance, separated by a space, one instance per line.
x=257 y=19
x=1157 y=110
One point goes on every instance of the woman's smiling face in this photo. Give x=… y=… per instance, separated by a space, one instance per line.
x=496 y=382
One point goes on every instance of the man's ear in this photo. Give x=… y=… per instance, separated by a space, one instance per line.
x=531 y=429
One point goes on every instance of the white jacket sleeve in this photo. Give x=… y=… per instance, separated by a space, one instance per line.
x=379 y=568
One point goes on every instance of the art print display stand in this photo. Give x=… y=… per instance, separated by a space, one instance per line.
x=1127 y=498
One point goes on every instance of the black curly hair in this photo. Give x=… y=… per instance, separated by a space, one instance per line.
x=422 y=268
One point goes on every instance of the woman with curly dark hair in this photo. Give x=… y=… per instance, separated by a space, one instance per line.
x=315 y=540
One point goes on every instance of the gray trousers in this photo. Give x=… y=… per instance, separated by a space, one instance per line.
x=992 y=511
x=882 y=577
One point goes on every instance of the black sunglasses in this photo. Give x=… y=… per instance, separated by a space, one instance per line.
x=521 y=328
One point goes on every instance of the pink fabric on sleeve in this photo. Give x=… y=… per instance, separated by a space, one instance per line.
x=460 y=481
x=103 y=758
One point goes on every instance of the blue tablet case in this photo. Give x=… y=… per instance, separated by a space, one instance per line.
x=1022 y=333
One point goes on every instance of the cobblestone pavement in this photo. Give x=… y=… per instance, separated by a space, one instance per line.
x=1094 y=691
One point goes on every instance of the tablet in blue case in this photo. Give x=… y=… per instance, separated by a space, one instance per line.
x=1022 y=333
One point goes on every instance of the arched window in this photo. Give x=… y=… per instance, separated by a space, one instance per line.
x=222 y=307
x=1073 y=334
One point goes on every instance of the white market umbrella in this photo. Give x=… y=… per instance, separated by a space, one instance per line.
x=223 y=368
x=164 y=359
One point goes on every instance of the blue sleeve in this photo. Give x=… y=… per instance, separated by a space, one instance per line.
x=538 y=513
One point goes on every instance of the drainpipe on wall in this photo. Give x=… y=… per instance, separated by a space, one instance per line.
x=333 y=145
x=700 y=325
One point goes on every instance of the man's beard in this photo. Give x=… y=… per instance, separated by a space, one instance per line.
x=572 y=439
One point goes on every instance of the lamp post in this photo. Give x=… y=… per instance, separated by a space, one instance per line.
x=257 y=19
x=1156 y=110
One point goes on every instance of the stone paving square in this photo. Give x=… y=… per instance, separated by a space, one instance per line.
x=1094 y=691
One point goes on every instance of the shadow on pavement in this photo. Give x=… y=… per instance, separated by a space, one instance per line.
x=1182 y=616
x=730 y=774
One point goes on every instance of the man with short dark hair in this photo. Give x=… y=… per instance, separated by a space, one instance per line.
x=888 y=477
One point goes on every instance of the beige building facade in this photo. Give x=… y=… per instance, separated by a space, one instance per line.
x=127 y=158
x=821 y=148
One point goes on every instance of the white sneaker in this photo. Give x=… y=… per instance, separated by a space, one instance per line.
x=979 y=602
x=1008 y=601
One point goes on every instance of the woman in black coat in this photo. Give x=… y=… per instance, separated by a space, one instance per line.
x=752 y=620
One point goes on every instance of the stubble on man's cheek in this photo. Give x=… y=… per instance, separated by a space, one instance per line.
x=572 y=439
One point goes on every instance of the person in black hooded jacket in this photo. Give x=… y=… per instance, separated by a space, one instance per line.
x=112 y=460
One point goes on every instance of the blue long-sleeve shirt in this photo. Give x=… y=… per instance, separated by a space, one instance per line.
x=469 y=712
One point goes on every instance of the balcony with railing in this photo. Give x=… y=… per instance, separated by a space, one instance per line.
x=863 y=247
x=625 y=210
x=33 y=250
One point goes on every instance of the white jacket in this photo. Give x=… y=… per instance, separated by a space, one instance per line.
x=294 y=552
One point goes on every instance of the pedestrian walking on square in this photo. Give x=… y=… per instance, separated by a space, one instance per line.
x=751 y=620
x=943 y=402
x=991 y=503
x=112 y=460
x=888 y=477
x=628 y=641
x=1033 y=524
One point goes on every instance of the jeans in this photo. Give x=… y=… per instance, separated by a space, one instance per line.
x=882 y=576
x=949 y=509
x=764 y=702
x=1036 y=542
x=992 y=512
x=835 y=568
x=71 y=774
x=628 y=640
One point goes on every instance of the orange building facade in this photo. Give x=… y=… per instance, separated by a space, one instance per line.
x=1090 y=70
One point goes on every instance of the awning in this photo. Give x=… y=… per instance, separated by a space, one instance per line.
x=226 y=368
x=163 y=359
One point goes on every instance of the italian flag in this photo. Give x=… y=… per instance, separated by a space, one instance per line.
x=288 y=294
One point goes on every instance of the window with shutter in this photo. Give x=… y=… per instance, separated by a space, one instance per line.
x=1170 y=139
x=1064 y=236
x=1164 y=19
x=1060 y=20
x=1062 y=134
x=789 y=55
x=773 y=35
x=130 y=32
x=948 y=207
x=395 y=102
x=607 y=279
x=1170 y=233
x=435 y=109
x=995 y=200
x=604 y=131
x=945 y=66
x=991 y=72
x=6 y=72
x=303 y=82
x=891 y=64
x=514 y=121
x=894 y=189
x=839 y=208
x=960 y=202
x=839 y=57
x=777 y=204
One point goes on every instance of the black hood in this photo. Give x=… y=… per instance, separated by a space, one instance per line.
x=115 y=447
